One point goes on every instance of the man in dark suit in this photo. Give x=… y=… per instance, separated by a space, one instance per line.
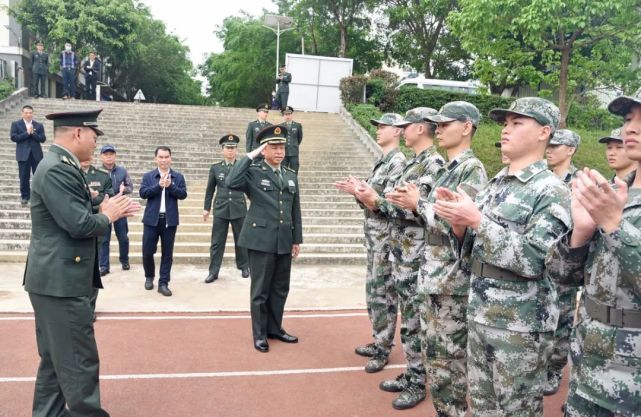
x=256 y=126
x=62 y=269
x=68 y=65
x=283 y=80
x=294 y=139
x=39 y=70
x=28 y=135
x=272 y=231
x=162 y=188
x=229 y=207
x=91 y=68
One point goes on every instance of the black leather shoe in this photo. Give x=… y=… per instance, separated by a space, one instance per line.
x=261 y=345
x=211 y=278
x=149 y=283
x=164 y=290
x=245 y=273
x=283 y=337
x=104 y=272
x=125 y=267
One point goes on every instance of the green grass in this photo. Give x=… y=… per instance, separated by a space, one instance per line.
x=591 y=153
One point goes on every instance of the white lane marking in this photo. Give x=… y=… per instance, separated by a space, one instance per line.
x=217 y=374
x=226 y=317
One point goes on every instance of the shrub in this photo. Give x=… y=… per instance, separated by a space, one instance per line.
x=352 y=89
x=411 y=97
x=362 y=113
x=389 y=78
x=6 y=88
x=586 y=113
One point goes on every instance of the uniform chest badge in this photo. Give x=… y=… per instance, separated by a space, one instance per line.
x=265 y=183
x=291 y=183
x=94 y=184
x=221 y=176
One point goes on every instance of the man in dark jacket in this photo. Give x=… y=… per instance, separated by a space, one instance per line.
x=283 y=80
x=272 y=232
x=294 y=139
x=28 y=135
x=39 y=70
x=256 y=126
x=229 y=207
x=162 y=188
x=91 y=68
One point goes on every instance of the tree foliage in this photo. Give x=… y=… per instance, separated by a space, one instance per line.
x=418 y=37
x=572 y=44
x=136 y=49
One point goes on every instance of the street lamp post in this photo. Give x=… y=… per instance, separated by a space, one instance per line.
x=278 y=25
x=19 y=80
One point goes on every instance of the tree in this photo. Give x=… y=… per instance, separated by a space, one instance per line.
x=566 y=43
x=419 y=37
x=243 y=75
x=135 y=48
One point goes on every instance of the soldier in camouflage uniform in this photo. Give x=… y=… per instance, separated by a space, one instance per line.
x=407 y=240
x=618 y=161
x=603 y=253
x=380 y=296
x=443 y=284
x=508 y=231
x=561 y=148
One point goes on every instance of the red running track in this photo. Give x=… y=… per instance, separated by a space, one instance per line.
x=180 y=365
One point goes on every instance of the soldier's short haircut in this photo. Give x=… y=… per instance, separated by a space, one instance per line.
x=162 y=148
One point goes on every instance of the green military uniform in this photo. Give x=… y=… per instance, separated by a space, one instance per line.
x=282 y=93
x=39 y=73
x=61 y=273
x=229 y=207
x=294 y=139
x=512 y=310
x=272 y=226
x=566 y=293
x=406 y=248
x=253 y=128
x=606 y=344
x=98 y=180
x=443 y=285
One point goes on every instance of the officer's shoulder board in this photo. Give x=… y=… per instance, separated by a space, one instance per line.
x=256 y=164
x=66 y=160
x=104 y=171
x=289 y=169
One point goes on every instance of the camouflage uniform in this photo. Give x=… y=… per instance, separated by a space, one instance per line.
x=380 y=296
x=566 y=293
x=606 y=347
x=442 y=283
x=407 y=244
x=512 y=311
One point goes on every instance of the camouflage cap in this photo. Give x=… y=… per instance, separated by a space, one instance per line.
x=543 y=111
x=387 y=119
x=565 y=137
x=614 y=135
x=622 y=105
x=416 y=115
x=461 y=111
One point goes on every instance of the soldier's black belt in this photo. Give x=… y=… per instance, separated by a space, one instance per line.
x=437 y=239
x=481 y=269
x=611 y=316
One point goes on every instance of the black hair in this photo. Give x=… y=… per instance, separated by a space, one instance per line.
x=162 y=148
x=26 y=106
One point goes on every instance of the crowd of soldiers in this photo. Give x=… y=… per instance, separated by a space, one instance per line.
x=485 y=274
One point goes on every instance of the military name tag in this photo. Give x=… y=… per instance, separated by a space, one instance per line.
x=265 y=182
x=221 y=176
x=94 y=184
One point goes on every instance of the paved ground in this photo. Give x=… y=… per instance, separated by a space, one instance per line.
x=192 y=354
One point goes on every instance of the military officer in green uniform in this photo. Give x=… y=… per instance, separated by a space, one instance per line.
x=294 y=139
x=272 y=231
x=256 y=126
x=39 y=70
x=99 y=183
x=62 y=269
x=229 y=207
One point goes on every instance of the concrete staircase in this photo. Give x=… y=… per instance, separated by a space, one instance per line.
x=332 y=223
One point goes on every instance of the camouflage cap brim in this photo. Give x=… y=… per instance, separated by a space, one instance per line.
x=622 y=105
x=608 y=139
x=379 y=122
x=439 y=118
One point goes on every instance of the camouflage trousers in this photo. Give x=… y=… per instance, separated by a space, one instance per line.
x=405 y=282
x=444 y=328
x=506 y=371
x=561 y=351
x=381 y=299
x=578 y=406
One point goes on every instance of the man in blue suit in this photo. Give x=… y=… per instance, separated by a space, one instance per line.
x=162 y=188
x=28 y=135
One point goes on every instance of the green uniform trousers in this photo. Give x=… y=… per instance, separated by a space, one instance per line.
x=381 y=300
x=69 y=364
x=270 y=274
x=218 y=240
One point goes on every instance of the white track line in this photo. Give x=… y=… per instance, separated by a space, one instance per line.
x=126 y=377
x=226 y=317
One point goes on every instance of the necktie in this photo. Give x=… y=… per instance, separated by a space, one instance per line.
x=280 y=178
